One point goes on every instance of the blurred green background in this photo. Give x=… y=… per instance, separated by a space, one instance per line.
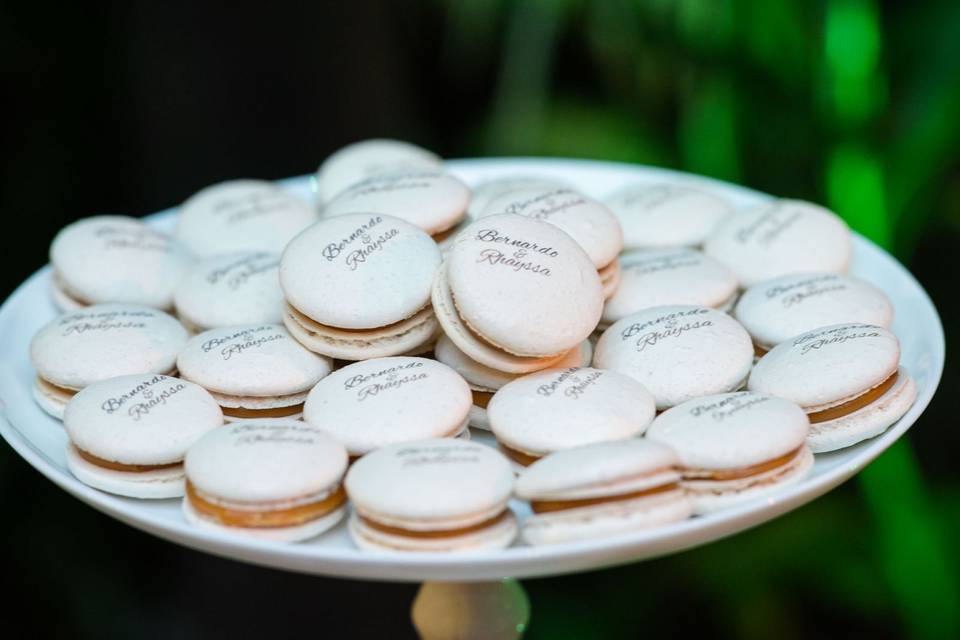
x=853 y=103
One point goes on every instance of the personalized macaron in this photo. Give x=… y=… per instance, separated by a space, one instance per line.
x=277 y=480
x=426 y=198
x=846 y=377
x=781 y=237
x=601 y=489
x=115 y=259
x=100 y=342
x=128 y=435
x=776 y=310
x=358 y=286
x=588 y=222
x=366 y=158
x=735 y=447
x=241 y=215
x=516 y=294
x=484 y=381
x=253 y=371
x=658 y=277
x=230 y=289
x=662 y=214
x=374 y=403
x=556 y=409
x=487 y=190
x=431 y=495
x=678 y=352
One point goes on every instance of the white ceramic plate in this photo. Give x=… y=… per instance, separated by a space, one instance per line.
x=41 y=440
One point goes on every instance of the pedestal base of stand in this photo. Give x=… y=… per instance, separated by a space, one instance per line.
x=465 y=610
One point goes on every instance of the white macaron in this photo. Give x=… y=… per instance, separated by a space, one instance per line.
x=434 y=495
x=600 y=490
x=230 y=289
x=678 y=352
x=360 y=160
x=241 y=215
x=370 y=404
x=115 y=259
x=735 y=447
x=556 y=409
x=100 y=342
x=776 y=310
x=358 y=286
x=128 y=435
x=276 y=480
x=487 y=190
x=253 y=371
x=846 y=377
x=781 y=237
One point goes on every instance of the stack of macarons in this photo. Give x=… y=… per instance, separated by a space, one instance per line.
x=630 y=359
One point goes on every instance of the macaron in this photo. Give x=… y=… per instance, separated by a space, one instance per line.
x=678 y=352
x=484 y=381
x=735 y=447
x=588 y=222
x=434 y=495
x=100 y=342
x=378 y=402
x=230 y=289
x=781 y=237
x=426 y=198
x=241 y=215
x=115 y=259
x=658 y=277
x=366 y=158
x=664 y=215
x=278 y=480
x=846 y=377
x=487 y=190
x=556 y=409
x=602 y=489
x=253 y=371
x=129 y=434
x=358 y=286
x=516 y=294
x=776 y=310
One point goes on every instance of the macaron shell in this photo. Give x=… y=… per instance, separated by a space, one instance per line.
x=484 y=192
x=496 y=536
x=50 y=399
x=781 y=237
x=62 y=300
x=827 y=366
x=478 y=418
x=363 y=159
x=678 y=352
x=158 y=484
x=296 y=533
x=776 y=310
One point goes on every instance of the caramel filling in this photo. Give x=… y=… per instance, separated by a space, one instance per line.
x=741 y=472
x=481 y=398
x=759 y=351
x=275 y=412
x=440 y=236
x=313 y=326
x=267 y=517
x=445 y=533
x=119 y=466
x=546 y=506
x=58 y=389
x=521 y=458
x=854 y=405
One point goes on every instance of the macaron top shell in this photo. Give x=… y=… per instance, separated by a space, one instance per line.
x=827 y=366
x=524 y=285
x=265 y=461
x=232 y=288
x=241 y=215
x=363 y=159
x=781 y=237
x=587 y=221
x=487 y=190
x=143 y=419
x=254 y=360
x=118 y=259
x=599 y=469
x=678 y=352
x=359 y=271
x=562 y=408
x=731 y=430
x=779 y=309
x=427 y=198
x=105 y=341
x=376 y=402
x=421 y=484
x=666 y=215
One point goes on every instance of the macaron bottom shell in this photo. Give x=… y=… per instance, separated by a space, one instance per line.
x=61 y=298
x=499 y=535
x=157 y=484
x=478 y=418
x=52 y=399
x=610 y=278
x=295 y=533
